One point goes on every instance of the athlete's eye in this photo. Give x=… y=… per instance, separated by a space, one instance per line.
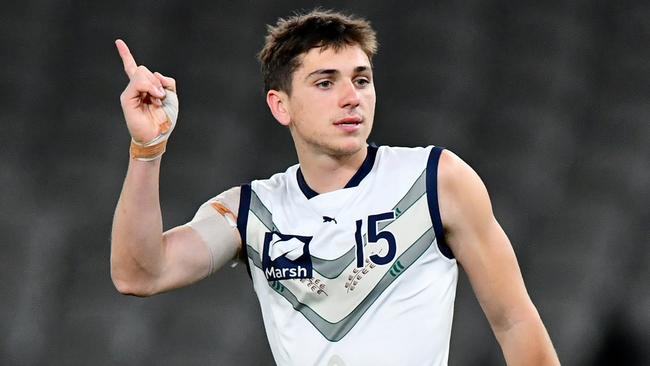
x=362 y=82
x=325 y=84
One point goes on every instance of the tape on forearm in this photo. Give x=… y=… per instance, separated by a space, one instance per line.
x=155 y=148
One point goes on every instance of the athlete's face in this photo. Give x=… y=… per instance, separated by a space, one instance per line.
x=332 y=102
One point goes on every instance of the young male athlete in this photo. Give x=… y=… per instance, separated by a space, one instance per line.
x=353 y=252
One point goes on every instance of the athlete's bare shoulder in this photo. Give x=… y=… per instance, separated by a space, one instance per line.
x=455 y=176
x=464 y=201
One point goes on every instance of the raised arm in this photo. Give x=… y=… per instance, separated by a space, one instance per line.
x=144 y=260
x=485 y=253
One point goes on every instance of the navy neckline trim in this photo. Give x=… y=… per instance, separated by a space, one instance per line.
x=356 y=179
x=306 y=190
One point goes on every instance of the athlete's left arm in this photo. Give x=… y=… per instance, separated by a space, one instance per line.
x=485 y=253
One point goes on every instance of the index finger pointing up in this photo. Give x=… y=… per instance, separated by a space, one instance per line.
x=127 y=59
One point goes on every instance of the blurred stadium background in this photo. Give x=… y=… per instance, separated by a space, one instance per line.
x=548 y=101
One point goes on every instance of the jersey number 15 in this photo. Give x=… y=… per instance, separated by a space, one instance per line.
x=374 y=236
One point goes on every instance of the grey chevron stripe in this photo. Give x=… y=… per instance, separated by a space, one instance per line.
x=414 y=193
x=262 y=213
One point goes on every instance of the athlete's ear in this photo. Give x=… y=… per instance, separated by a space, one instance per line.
x=278 y=102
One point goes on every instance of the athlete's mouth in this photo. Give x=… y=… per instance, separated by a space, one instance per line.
x=349 y=121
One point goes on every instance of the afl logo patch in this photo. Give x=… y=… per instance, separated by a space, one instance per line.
x=286 y=256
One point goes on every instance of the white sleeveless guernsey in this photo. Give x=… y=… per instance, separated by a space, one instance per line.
x=357 y=276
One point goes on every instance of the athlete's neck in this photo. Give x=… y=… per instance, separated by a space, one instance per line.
x=326 y=173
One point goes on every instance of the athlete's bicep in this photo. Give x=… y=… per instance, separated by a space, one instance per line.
x=202 y=246
x=187 y=259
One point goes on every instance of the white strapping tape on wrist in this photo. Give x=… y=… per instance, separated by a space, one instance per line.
x=170 y=107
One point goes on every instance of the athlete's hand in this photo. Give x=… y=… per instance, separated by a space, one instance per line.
x=149 y=101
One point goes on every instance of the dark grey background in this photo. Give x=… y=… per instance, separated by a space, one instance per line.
x=548 y=102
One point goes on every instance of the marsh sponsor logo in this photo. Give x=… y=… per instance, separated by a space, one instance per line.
x=279 y=273
x=286 y=256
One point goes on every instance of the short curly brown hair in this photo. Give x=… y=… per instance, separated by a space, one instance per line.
x=289 y=38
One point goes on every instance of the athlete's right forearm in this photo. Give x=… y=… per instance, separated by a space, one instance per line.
x=137 y=244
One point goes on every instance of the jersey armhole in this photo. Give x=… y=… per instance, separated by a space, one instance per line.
x=432 y=200
x=242 y=220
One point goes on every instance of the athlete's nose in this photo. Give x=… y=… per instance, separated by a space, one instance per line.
x=349 y=95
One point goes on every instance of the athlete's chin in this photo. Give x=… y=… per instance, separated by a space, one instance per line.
x=348 y=147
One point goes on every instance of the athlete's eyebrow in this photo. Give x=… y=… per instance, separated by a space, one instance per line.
x=329 y=72
x=322 y=72
x=360 y=69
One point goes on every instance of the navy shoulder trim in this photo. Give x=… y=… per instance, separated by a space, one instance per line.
x=432 y=200
x=242 y=220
